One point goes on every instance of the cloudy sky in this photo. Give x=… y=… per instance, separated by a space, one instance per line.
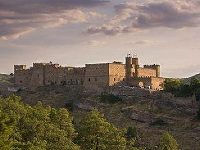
x=76 y=32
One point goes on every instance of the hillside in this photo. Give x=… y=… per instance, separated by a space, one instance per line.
x=187 y=80
x=5 y=82
x=151 y=113
x=5 y=79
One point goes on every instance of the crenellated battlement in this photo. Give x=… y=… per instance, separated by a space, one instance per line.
x=151 y=66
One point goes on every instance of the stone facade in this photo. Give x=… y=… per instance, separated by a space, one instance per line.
x=92 y=76
x=146 y=72
x=42 y=74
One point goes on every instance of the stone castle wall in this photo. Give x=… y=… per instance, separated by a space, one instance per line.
x=96 y=76
x=22 y=77
x=92 y=76
x=157 y=83
x=48 y=74
x=117 y=73
x=146 y=72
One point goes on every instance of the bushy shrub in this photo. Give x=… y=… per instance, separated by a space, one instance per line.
x=109 y=98
x=198 y=114
x=158 y=122
x=167 y=142
x=69 y=106
x=197 y=94
x=180 y=89
x=131 y=133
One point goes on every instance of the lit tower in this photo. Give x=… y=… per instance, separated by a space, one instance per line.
x=129 y=67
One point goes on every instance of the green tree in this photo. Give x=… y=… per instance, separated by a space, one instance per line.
x=62 y=119
x=39 y=127
x=172 y=86
x=6 y=131
x=185 y=91
x=95 y=133
x=131 y=133
x=197 y=94
x=131 y=136
x=195 y=84
x=198 y=114
x=167 y=142
x=180 y=89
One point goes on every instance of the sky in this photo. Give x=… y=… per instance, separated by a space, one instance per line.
x=77 y=32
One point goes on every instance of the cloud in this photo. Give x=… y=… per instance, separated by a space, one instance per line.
x=19 y=17
x=142 y=42
x=182 y=72
x=95 y=43
x=131 y=17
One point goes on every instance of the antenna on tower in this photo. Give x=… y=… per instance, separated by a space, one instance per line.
x=134 y=54
x=129 y=55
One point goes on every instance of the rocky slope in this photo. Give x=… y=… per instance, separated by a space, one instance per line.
x=151 y=116
x=152 y=113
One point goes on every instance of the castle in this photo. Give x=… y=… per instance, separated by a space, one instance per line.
x=92 y=77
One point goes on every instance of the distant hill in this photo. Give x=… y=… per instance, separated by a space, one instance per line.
x=197 y=76
x=187 y=80
x=6 y=80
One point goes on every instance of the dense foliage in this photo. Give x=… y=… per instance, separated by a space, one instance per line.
x=181 y=89
x=96 y=133
x=39 y=127
x=167 y=142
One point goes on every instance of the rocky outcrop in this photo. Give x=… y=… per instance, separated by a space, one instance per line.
x=142 y=117
x=130 y=91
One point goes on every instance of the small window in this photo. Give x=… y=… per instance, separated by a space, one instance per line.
x=89 y=79
x=114 y=79
x=95 y=79
x=20 y=81
x=38 y=75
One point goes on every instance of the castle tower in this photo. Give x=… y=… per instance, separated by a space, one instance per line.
x=129 y=67
x=19 y=67
x=132 y=65
x=135 y=61
x=157 y=67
